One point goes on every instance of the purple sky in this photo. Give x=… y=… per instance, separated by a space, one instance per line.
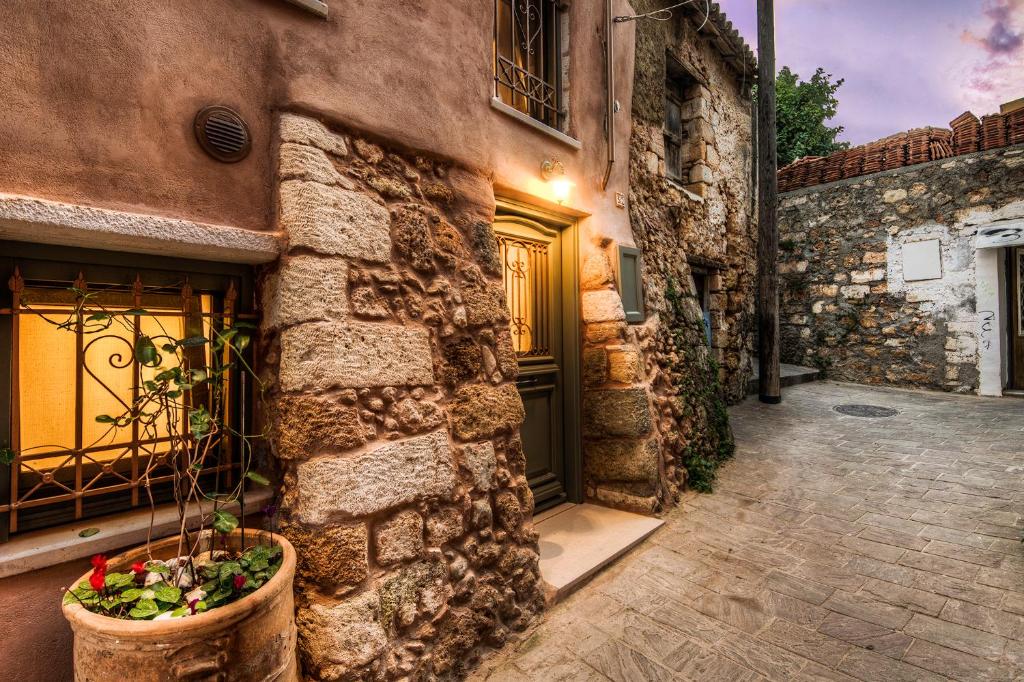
x=907 y=63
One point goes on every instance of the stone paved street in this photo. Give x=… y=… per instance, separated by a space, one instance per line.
x=834 y=547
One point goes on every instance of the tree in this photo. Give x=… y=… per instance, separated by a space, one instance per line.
x=802 y=109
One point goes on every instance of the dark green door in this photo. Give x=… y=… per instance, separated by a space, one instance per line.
x=532 y=255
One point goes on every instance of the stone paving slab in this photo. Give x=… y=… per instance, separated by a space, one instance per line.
x=834 y=548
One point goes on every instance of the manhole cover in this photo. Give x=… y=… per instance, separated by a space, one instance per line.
x=870 y=411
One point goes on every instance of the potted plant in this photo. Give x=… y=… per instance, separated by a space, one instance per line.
x=208 y=603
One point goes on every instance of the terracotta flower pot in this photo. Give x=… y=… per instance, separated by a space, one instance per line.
x=250 y=639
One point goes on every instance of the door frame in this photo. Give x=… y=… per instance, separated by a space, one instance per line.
x=1014 y=321
x=572 y=339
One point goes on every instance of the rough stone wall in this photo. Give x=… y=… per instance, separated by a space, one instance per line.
x=715 y=227
x=845 y=306
x=395 y=411
x=622 y=463
x=661 y=375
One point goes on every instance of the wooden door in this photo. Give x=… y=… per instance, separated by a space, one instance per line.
x=1015 y=280
x=531 y=256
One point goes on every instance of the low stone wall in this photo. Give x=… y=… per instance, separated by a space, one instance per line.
x=395 y=411
x=846 y=305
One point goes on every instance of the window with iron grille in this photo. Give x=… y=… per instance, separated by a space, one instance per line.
x=679 y=87
x=528 y=58
x=63 y=364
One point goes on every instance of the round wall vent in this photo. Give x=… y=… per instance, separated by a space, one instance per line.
x=222 y=134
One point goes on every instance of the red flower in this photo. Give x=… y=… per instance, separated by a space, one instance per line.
x=139 y=567
x=97 y=580
x=239 y=581
x=99 y=562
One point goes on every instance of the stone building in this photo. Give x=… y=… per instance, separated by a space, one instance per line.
x=901 y=261
x=493 y=269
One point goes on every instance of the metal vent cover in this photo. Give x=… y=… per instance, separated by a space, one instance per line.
x=868 y=411
x=222 y=133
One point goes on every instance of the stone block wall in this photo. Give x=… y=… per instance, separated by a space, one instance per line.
x=622 y=460
x=845 y=305
x=394 y=411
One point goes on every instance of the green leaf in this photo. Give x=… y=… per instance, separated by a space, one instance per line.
x=118 y=580
x=105 y=419
x=86 y=595
x=88 y=532
x=166 y=593
x=193 y=342
x=257 y=478
x=145 y=351
x=199 y=376
x=162 y=569
x=242 y=341
x=229 y=569
x=145 y=608
x=199 y=422
x=136 y=311
x=131 y=595
x=97 y=317
x=7 y=456
x=224 y=522
x=168 y=348
x=168 y=374
x=180 y=611
x=219 y=596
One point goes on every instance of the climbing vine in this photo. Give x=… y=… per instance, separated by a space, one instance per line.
x=705 y=438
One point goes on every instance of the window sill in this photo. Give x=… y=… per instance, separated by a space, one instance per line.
x=535 y=124
x=314 y=6
x=42 y=221
x=53 y=546
x=682 y=190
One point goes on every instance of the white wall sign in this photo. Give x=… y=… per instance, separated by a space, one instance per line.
x=922 y=260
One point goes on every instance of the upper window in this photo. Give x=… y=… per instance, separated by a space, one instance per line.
x=71 y=324
x=528 y=58
x=679 y=90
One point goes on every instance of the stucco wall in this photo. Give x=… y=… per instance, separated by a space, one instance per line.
x=100 y=97
x=846 y=305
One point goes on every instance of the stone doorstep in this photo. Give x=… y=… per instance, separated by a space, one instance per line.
x=577 y=542
x=791 y=375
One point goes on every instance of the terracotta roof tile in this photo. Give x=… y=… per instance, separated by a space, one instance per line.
x=968 y=135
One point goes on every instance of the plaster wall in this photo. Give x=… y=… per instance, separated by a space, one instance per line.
x=100 y=97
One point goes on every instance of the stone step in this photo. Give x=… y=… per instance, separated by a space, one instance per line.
x=791 y=376
x=578 y=540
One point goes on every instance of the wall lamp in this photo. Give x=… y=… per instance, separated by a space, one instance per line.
x=554 y=173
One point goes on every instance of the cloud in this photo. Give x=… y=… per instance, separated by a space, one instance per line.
x=993 y=73
x=1006 y=34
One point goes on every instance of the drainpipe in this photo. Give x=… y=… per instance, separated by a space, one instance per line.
x=609 y=61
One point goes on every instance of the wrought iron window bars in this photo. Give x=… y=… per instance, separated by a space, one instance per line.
x=528 y=58
x=64 y=365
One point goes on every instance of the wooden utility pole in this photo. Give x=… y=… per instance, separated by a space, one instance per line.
x=767 y=200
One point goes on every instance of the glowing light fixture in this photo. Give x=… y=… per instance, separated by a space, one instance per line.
x=554 y=173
